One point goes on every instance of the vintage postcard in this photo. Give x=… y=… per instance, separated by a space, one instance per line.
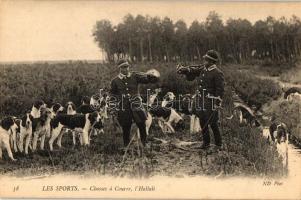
x=150 y=99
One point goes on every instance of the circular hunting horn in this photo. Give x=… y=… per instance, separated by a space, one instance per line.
x=154 y=72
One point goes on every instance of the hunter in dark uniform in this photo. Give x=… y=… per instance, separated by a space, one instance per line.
x=210 y=81
x=124 y=88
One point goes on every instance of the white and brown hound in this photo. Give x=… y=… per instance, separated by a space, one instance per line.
x=36 y=108
x=7 y=129
x=168 y=118
x=25 y=126
x=71 y=108
x=294 y=97
x=15 y=136
x=279 y=135
x=85 y=107
x=83 y=121
x=150 y=101
x=183 y=106
x=56 y=108
x=245 y=115
x=290 y=91
x=41 y=128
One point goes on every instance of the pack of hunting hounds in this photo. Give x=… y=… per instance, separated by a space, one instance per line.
x=53 y=121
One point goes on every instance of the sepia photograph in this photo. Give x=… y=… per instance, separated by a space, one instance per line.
x=151 y=99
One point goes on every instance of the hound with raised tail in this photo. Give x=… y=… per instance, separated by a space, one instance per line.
x=7 y=129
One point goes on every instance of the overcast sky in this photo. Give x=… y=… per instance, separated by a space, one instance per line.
x=62 y=30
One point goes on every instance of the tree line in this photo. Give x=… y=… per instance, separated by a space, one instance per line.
x=144 y=38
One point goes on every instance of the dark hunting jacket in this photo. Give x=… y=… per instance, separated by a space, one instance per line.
x=210 y=83
x=125 y=91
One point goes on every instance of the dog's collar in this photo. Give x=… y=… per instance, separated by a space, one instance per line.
x=122 y=76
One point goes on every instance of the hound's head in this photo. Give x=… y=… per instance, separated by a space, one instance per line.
x=36 y=108
x=27 y=120
x=100 y=101
x=9 y=123
x=94 y=97
x=170 y=96
x=152 y=95
x=56 y=108
x=38 y=104
x=46 y=114
x=93 y=117
x=281 y=133
x=71 y=109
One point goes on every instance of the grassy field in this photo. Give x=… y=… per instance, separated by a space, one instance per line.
x=246 y=153
x=292 y=76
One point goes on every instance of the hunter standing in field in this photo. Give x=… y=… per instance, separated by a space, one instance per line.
x=210 y=80
x=125 y=89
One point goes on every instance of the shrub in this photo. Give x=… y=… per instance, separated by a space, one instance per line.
x=253 y=90
x=292 y=76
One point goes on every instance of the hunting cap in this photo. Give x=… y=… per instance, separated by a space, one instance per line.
x=211 y=55
x=123 y=63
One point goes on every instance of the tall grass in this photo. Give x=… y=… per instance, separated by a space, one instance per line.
x=253 y=90
x=292 y=76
